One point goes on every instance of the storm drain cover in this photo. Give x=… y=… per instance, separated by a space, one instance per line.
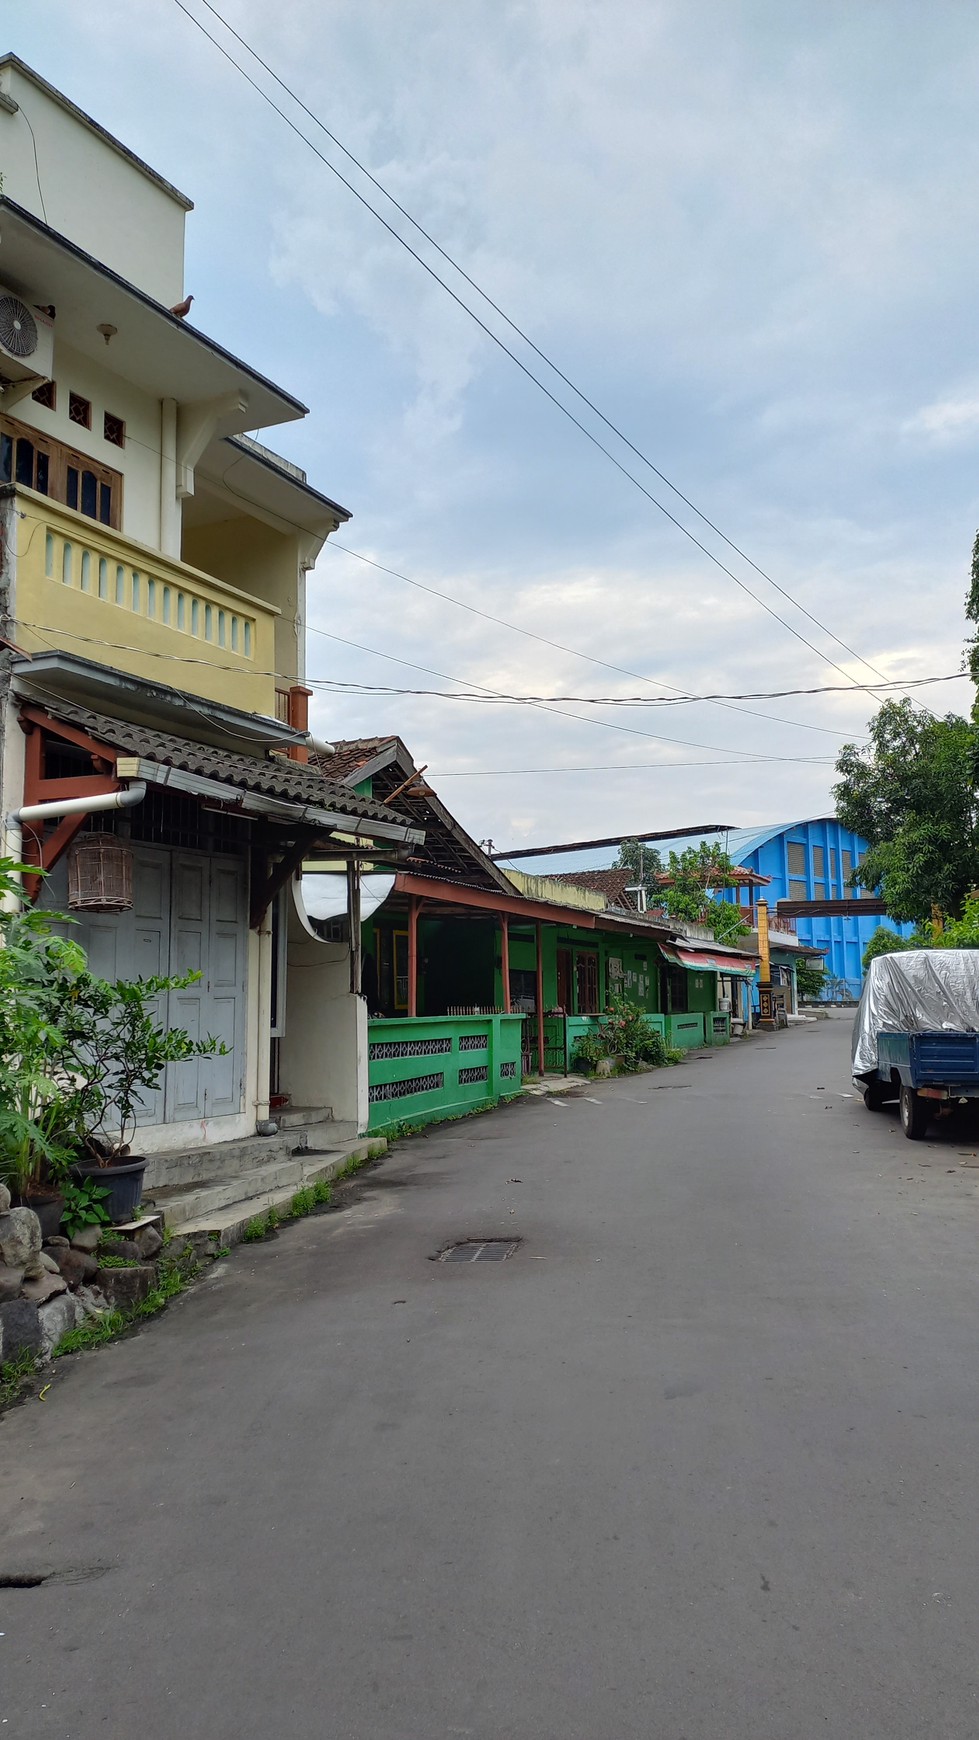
x=479 y=1251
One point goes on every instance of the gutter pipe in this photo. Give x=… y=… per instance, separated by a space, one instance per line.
x=126 y=799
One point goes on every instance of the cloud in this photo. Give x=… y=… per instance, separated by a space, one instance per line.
x=947 y=420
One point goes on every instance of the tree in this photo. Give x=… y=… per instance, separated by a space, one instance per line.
x=810 y=977
x=643 y=862
x=685 y=885
x=887 y=942
x=912 y=795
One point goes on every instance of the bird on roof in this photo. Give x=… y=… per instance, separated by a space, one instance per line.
x=183 y=308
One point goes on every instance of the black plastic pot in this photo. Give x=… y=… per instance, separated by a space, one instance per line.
x=49 y=1207
x=123 y=1181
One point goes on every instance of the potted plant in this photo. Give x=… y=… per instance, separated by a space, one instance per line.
x=123 y=1056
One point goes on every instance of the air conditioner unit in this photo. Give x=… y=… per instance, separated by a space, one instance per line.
x=26 y=340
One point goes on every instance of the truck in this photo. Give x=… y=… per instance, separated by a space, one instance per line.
x=916 y=1035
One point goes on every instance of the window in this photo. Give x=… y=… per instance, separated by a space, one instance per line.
x=847 y=858
x=798 y=890
x=80 y=410
x=46 y=395
x=586 y=975
x=37 y=462
x=797 y=858
x=114 y=429
x=819 y=864
x=832 y=867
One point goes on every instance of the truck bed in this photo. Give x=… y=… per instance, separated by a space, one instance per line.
x=939 y=1059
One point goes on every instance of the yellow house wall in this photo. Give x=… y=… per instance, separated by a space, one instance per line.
x=93 y=193
x=57 y=575
x=249 y=554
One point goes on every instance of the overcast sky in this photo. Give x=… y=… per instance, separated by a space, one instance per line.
x=746 y=231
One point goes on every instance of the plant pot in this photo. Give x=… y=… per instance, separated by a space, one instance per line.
x=123 y=1180
x=48 y=1206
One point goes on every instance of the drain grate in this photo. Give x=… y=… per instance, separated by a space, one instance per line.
x=478 y=1251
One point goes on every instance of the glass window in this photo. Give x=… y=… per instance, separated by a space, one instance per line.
x=90 y=494
x=819 y=863
x=42 y=474
x=71 y=489
x=797 y=858
x=105 y=503
x=25 y=463
x=6 y=458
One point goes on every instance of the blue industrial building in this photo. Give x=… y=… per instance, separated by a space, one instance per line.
x=809 y=863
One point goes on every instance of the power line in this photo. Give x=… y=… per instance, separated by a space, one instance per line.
x=558 y=646
x=624 y=766
x=495 y=338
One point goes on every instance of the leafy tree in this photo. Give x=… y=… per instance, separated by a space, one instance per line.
x=687 y=888
x=810 y=977
x=887 y=942
x=644 y=864
x=912 y=795
x=962 y=933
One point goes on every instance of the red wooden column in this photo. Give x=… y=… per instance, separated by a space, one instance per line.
x=540 y=996
x=505 y=922
x=413 y=904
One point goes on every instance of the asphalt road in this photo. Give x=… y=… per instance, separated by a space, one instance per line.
x=699 y=1462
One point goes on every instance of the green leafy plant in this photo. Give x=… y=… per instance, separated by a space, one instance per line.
x=810 y=978
x=255 y=1230
x=84 y=1205
x=625 y=1033
x=108 y=1261
x=322 y=1191
x=885 y=942
x=302 y=1203
x=272 y=1219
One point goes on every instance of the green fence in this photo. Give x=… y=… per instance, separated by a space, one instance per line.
x=685 y=1031
x=441 y=1066
x=717 y=1028
x=562 y=1033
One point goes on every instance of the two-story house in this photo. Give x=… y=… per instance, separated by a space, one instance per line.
x=153 y=567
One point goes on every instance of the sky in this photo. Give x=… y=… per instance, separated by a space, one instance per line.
x=745 y=231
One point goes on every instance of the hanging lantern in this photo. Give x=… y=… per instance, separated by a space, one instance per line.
x=100 y=875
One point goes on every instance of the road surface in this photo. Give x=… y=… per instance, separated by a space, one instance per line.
x=698 y=1462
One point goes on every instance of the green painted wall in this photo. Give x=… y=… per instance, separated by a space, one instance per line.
x=701 y=992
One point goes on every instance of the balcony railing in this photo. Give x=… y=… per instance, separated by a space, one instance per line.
x=86 y=589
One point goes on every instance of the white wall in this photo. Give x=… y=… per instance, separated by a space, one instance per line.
x=89 y=190
x=323 y=1056
x=138 y=461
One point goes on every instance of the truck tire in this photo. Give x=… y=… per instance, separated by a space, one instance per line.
x=873 y=1096
x=915 y=1114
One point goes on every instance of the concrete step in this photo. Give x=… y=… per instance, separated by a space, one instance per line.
x=296 y=1117
x=221 y=1160
x=224 y=1210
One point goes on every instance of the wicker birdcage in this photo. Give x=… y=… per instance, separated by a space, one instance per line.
x=100 y=874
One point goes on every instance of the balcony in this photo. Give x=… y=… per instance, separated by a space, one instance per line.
x=83 y=588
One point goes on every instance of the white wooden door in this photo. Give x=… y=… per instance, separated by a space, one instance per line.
x=208 y=935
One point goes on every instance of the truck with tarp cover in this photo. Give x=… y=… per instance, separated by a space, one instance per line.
x=916 y=1034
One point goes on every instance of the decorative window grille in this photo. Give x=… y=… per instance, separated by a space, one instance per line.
x=473 y=1041
x=401 y=1090
x=508 y=1071
x=478 y=1072
x=382 y=1048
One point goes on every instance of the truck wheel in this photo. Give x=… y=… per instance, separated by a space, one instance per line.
x=915 y=1114
x=873 y=1096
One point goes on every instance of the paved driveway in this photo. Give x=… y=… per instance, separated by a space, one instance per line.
x=699 y=1462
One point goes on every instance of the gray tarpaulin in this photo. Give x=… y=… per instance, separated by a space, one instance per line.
x=920 y=991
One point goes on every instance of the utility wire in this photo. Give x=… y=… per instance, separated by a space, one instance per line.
x=495 y=338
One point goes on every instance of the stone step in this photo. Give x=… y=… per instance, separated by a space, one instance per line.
x=297 y=1117
x=224 y=1210
x=221 y=1160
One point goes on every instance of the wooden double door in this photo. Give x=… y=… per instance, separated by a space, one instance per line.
x=189 y=915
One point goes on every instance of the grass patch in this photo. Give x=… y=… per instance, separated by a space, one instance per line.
x=302 y=1203
x=255 y=1230
x=15 y=1374
x=109 y=1262
x=322 y=1192
x=172 y=1281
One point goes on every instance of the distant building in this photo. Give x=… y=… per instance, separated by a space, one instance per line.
x=809 y=864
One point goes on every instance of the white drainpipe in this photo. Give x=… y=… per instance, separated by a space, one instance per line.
x=126 y=799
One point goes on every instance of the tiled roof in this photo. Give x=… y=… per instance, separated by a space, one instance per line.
x=273 y=775
x=351 y=753
x=611 y=883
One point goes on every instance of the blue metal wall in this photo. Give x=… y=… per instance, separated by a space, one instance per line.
x=818 y=872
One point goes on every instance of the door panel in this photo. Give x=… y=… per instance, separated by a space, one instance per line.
x=225 y=1010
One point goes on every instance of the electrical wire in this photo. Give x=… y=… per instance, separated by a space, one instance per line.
x=618 y=767
x=497 y=340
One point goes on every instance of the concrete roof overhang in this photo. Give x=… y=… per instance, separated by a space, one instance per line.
x=160 y=354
